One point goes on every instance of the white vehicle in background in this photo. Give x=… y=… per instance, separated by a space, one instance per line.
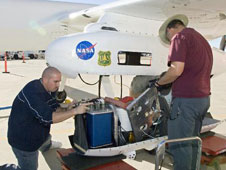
x=18 y=55
x=41 y=54
x=27 y=55
x=30 y=54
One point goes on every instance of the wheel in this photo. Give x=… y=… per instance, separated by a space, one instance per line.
x=31 y=56
x=15 y=56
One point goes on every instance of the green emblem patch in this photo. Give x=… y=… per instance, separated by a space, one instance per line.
x=104 y=58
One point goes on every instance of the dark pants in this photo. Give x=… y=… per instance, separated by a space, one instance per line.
x=29 y=160
x=186 y=121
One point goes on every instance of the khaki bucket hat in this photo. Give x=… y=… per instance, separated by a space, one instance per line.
x=162 y=30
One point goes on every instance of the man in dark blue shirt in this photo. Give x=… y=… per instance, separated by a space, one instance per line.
x=33 y=111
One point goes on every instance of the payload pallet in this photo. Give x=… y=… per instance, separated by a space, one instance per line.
x=72 y=161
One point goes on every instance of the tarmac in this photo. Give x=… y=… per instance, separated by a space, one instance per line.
x=21 y=73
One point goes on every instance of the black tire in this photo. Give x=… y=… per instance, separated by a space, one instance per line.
x=15 y=56
x=31 y=56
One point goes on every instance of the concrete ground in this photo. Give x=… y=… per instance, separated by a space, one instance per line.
x=21 y=73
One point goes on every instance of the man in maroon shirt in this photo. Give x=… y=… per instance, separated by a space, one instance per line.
x=190 y=63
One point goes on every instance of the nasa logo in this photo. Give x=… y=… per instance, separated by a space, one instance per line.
x=85 y=50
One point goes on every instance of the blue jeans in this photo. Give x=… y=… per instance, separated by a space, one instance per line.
x=186 y=121
x=29 y=160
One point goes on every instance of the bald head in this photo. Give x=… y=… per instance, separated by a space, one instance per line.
x=51 y=78
x=49 y=72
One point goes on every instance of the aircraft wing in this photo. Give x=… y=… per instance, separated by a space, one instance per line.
x=206 y=16
x=33 y=24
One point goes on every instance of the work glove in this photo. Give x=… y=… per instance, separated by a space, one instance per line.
x=154 y=83
x=163 y=89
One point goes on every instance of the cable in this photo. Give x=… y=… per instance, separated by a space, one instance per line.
x=147 y=134
x=119 y=83
x=99 y=86
x=122 y=128
x=91 y=84
x=121 y=137
x=6 y=107
x=121 y=86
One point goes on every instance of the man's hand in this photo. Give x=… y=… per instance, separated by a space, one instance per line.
x=60 y=116
x=163 y=89
x=159 y=87
x=82 y=108
x=72 y=104
x=154 y=83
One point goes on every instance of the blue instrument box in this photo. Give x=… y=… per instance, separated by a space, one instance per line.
x=99 y=128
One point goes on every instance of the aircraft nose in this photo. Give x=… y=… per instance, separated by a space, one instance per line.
x=59 y=54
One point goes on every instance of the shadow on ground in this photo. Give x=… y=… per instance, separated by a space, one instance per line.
x=52 y=160
x=149 y=156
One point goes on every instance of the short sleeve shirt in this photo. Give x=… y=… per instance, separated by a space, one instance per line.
x=191 y=48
